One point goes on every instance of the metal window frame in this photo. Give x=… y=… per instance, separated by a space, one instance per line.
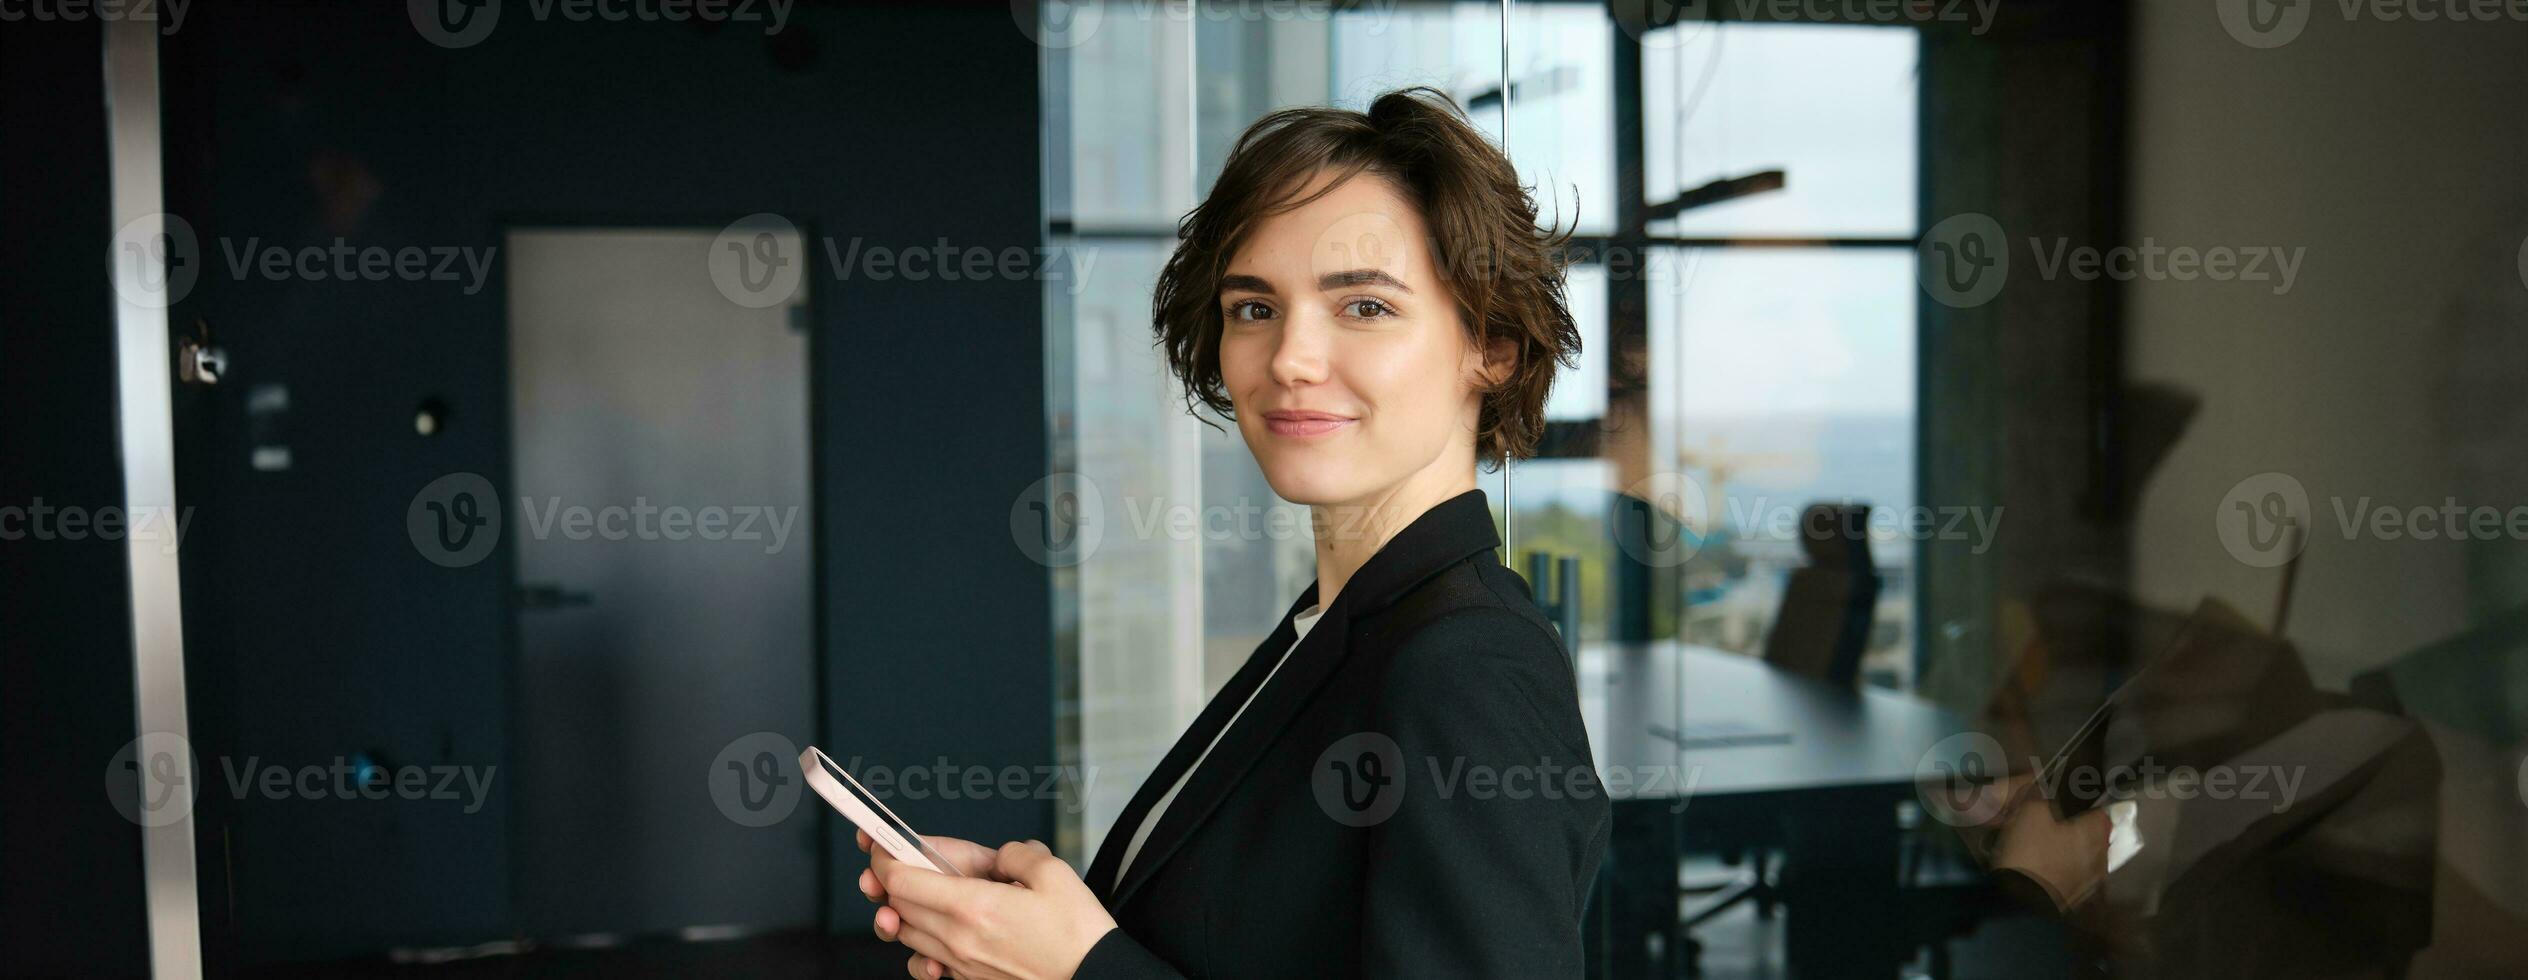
x=146 y=426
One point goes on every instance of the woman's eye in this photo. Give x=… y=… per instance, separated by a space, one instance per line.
x=1367 y=309
x=1250 y=310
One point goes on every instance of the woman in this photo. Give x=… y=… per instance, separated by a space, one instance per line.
x=1397 y=782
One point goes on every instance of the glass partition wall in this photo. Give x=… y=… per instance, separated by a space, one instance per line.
x=1194 y=557
x=1742 y=202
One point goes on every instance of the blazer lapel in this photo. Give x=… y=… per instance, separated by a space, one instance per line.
x=1446 y=534
x=1101 y=871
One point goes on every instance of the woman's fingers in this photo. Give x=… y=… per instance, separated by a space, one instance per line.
x=933 y=917
x=975 y=860
x=971 y=859
x=926 y=946
x=1032 y=864
x=874 y=882
x=1998 y=802
x=908 y=884
x=887 y=923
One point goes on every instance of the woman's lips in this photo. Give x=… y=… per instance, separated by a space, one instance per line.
x=1304 y=425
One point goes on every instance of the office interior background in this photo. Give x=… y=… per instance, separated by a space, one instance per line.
x=541 y=421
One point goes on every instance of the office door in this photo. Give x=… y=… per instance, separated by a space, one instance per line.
x=324 y=623
x=664 y=618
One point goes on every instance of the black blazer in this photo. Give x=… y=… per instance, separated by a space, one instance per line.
x=1411 y=796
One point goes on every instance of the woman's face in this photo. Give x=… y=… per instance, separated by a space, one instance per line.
x=1343 y=352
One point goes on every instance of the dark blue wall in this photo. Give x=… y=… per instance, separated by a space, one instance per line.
x=70 y=885
x=312 y=630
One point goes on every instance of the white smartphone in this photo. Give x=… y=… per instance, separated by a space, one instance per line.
x=891 y=832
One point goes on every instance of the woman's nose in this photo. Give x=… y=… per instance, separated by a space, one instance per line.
x=1300 y=356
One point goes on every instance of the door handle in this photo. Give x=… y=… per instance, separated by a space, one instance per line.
x=543 y=596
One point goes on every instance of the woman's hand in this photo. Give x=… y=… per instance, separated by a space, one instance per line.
x=972 y=858
x=2067 y=857
x=1025 y=915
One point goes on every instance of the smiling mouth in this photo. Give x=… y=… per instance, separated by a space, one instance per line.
x=1305 y=425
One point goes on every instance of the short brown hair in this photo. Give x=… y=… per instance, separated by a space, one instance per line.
x=1504 y=272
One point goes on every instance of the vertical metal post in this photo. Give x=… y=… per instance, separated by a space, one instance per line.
x=1509 y=512
x=149 y=487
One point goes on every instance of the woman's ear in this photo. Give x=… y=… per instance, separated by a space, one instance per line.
x=1500 y=360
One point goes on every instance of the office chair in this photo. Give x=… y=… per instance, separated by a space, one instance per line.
x=1821 y=630
x=1824 y=623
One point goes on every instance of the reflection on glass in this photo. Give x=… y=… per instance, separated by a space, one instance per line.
x=1833 y=106
x=1780 y=378
x=1579 y=393
x=1137 y=679
x=1256 y=548
x=1119 y=100
x=1562 y=123
x=1455 y=47
x=1200 y=557
x=1128 y=622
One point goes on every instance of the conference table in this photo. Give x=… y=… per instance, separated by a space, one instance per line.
x=1701 y=749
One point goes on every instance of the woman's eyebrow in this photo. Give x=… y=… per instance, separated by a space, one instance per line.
x=1360 y=277
x=1235 y=283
